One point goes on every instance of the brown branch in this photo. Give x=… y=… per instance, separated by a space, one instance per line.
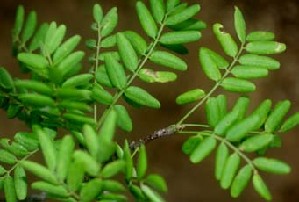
x=164 y=132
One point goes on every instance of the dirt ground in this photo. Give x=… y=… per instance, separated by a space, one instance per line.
x=187 y=182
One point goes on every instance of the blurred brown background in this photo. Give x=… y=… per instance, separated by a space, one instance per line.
x=187 y=182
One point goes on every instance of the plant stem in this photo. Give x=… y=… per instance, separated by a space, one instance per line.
x=141 y=64
x=215 y=87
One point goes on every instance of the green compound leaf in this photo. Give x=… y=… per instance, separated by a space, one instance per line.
x=47 y=147
x=91 y=189
x=90 y=137
x=221 y=158
x=107 y=130
x=260 y=187
x=146 y=20
x=64 y=158
x=66 y=48
x=256 y=142
x=240 y=129
x=115 y=72
x=38 y=37
x=97 y=13
x=138 y=43
x=158 y=10
x=225 y=39
x=124 y=120
x=168 y=60
x=203 y=150
x=142 y=97
x=241 y=181
x=29 y=27
x=20 y=182
x=212 y=111
x=272 y=165
x=127 y=52
x=151 y=76
x=275 y=118
x=265 y=47
x=9 y=189
x=157 y=182
x=57 y=190
x=182 y=37
x=237 y=85
x=229 y=171
x=249 y=72
x=109 y=22
x=142 y=162
x=113 y=168
x=19 y=21
x=151 y=194
x=209 y=65
x=259 y=61
x=7 y=157
x=54 y=37
x=6 y=81
x=290 y=123
x=190 y=96
x=182 y=15
x=190 y=144
x=37 y=63
x=260 y=36
x=39 y=171
x=240 y=25
x=101 y=96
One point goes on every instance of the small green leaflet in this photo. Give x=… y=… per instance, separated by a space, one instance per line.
x=209 y=65
x=260 y=36
x=124 y=120
x=157 y=182
x=203 y=150
x=151 y=76
x=109 y=22
x=127 y=52
x=221 y=157
x=158 y=10
x=265 y=47
x=241 y=181
x=182 y=37
x=272 y=165
x=184 y=14
x=142 y=97
x=168 y=60
x=97 y=13
x=142 y=162
x=290 y=123
x=146 y=20
x=6 y=81
x=229 y=171
x=237 y=85
x=225 y=39
x=190 y=96
x=29 y=27
x=259 y=61
x=260 y=187
x=240 y=25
